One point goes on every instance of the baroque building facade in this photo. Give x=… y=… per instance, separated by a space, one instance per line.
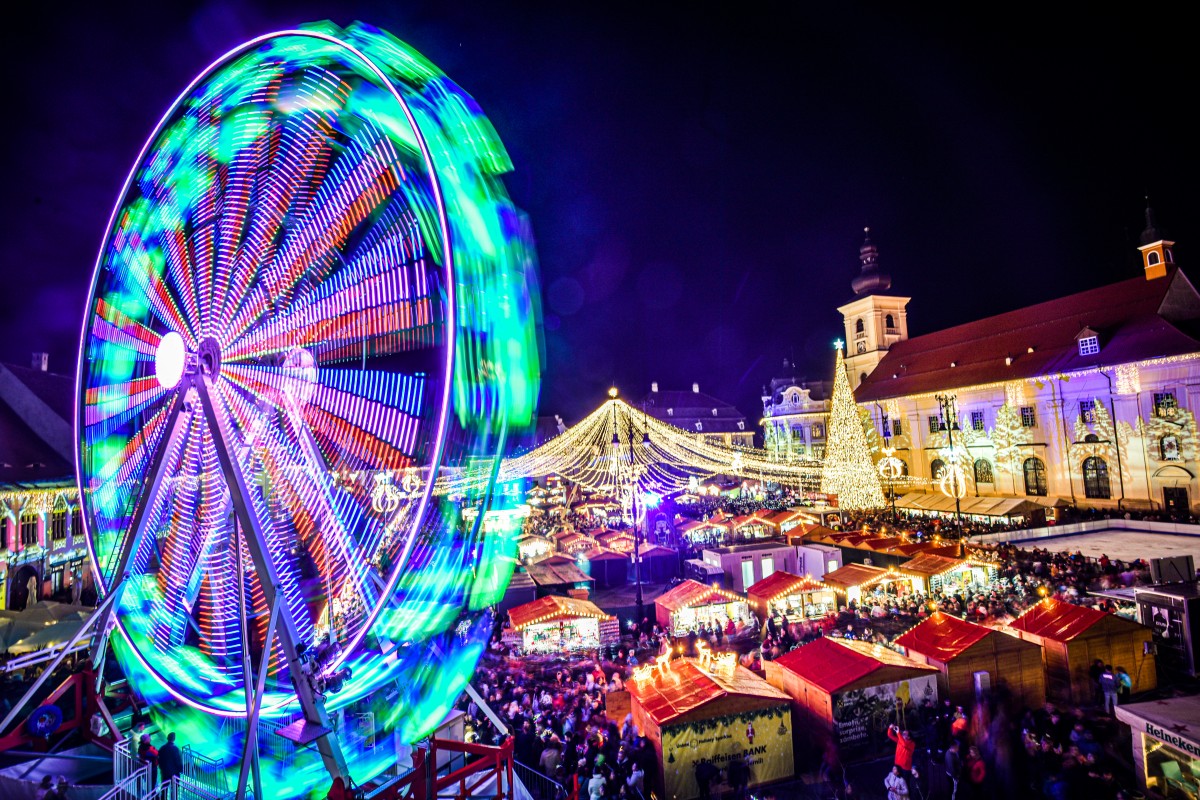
x=700 y=414
x=1090 y=398
x=795 y=418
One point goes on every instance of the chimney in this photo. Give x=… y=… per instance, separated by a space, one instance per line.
x=654 y=386
x=696 y=388
x=41 y=362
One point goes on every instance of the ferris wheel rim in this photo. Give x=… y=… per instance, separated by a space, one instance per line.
x=449 y=346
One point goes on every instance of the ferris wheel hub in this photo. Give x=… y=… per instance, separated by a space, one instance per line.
x=208 y=357
x=169 y=360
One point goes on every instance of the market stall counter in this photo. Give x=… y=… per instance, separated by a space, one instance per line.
x=558 y=624
x=691 y=605
x=791 y=598
x=1166 y=745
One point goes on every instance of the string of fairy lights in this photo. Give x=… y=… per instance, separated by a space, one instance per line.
x=661 y=459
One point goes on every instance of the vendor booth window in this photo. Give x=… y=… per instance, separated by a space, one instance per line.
x=983 y=471
x=748 y=572
x=1172 y=772
x=1035 y=477
x=936 y=468
x=768 y=566
x=1095 y=478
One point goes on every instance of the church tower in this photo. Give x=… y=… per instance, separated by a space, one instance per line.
x=1155 y=248
x=874 y=320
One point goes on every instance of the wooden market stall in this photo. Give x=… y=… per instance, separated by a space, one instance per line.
x=858 y=582
x=751 y=526
x=556 y=624
x=968 y=655
x=701 y=531
x=947 y=574
x=620 y=541
x=531 y=547
x=573 y=542
x=792 y=597
x=607 y=567
x=659 y=564
x=558 y=578
x=1072 y=636
x=851 y=691
x=691 y=604
x=789 y=521
x=695 y=710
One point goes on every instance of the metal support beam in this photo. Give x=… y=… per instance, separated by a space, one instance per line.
x=250 y=748
x=268 y=578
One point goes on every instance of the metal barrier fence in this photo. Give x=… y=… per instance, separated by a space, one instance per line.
x=134 y=786
x=539 y=785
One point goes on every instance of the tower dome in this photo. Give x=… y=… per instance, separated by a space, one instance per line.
x=871 y=280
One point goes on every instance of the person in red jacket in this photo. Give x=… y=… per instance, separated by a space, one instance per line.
x=904 y=749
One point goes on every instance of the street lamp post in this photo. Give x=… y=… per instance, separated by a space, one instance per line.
x=949 y=409
x=637 y=533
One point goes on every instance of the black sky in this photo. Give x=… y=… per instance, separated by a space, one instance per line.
x=697 y=180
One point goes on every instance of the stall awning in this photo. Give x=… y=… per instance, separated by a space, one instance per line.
x=1056 y=620
x=554 y=609
x=686 y=687
x=604 y=554
x=657 y=551
x=942 y=637
x=545 y=574
x=928 y=565
x=831 y=664
x=691 y=594
x=782 y=584
x=854 y=575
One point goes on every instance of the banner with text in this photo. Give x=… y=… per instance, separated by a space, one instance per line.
x=762 y=738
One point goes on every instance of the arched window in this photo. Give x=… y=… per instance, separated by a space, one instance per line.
x=1035 y=476
x=983 y=471
x=1152 y=257
x=862 y=377
x=1169 y=447
x=858 y=326
x=936 y=468
x=1095 y=478
x=1091 y=438
x=904 y=468
x=889 y=322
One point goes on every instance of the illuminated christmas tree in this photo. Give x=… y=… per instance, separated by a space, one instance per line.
x=848 y=470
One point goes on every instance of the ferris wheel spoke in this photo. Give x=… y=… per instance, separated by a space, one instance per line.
x=143 y=276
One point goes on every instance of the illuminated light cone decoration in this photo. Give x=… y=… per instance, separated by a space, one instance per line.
x=848 y=470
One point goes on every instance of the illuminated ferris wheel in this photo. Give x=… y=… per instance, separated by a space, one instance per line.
x=313 y=295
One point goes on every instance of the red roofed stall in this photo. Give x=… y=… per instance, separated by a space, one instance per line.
x=966 y=654
x=694 y=711
x=791 y=596
x=1073 y=636
x=555 y=624
x=692 y=604
x=850 y=691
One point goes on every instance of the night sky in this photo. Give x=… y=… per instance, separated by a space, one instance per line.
x=697 y=181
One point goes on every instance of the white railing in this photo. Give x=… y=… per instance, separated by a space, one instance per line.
x=1117 y=523
x=125 y=760
x=204 y=772
x=135 y=786
x=182 y=788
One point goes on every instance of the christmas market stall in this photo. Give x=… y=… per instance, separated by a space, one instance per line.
x=789 y=522
x=690 y=605
x=606 y=567
x=791 y=597
x=1166 y=745
x=573 y=542
x=1072 y=637
x=751 y=526
x=711 y=710
x=702 y=531
x=659 y=564
x=620 y=541
x=938 y=573
x=558 y=578
x=859 y=582
x=972 y=658
x=557 y=624
x=532 y=547
x=851 y=691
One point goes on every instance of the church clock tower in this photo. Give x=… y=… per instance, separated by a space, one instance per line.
x=874 y=320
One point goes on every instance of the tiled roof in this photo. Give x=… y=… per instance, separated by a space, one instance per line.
x=689 y=407
x=553 y=608
x=831 y=663
x=1136 y=319
x=34 y=405
x=942 y=637
x=1056 y=620
x=690 y=594
x=930 y=564
x=854 y=575
x=686 y=687
x=780 y=583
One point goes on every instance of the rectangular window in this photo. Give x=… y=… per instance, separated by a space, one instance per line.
x=29 y=531
x=818 y=430
x=1165 y=405
x=768 y=566
x=1089 y=346
x=1087 y=410
x=885 y=430
x=935 y=422
x=976 y=420
x=798 y=431
x=1028 y=417
x=896 y=427
x=58 y=526
x=747 y=573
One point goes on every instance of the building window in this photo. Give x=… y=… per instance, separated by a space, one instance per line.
x=859 y=329
x=983 y=471
x=747 y=573
x=818 y=430
x=77 y=525
x=885 y=430
x=1028 y=417
x=976 y=420
x=1152 y=257
x=58 y=526
x=797 y=431
x=1035 y=477
x=1087 y=410
x=1095 y=478
x=1169 y=447
x=29 y=531
x=768 y=566
x=670 y=412
x=890 y=324
x=935 y=423
x=896 y=427
x=936 y=468
x=699 y=425
x=1165 y=405
x=1089 y=345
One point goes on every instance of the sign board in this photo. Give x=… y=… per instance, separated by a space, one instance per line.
x=763 y=738
x=861 y=716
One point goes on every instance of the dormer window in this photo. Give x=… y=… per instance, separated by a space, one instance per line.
x=1089 y=345
x=670 y=412
x=699 y=425
x=714 y=412
x=741 y=424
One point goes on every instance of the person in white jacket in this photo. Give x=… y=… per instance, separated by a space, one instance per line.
x=897 y=787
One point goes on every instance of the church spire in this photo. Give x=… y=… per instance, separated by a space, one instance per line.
x=871 y=280
x=1155 y=248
